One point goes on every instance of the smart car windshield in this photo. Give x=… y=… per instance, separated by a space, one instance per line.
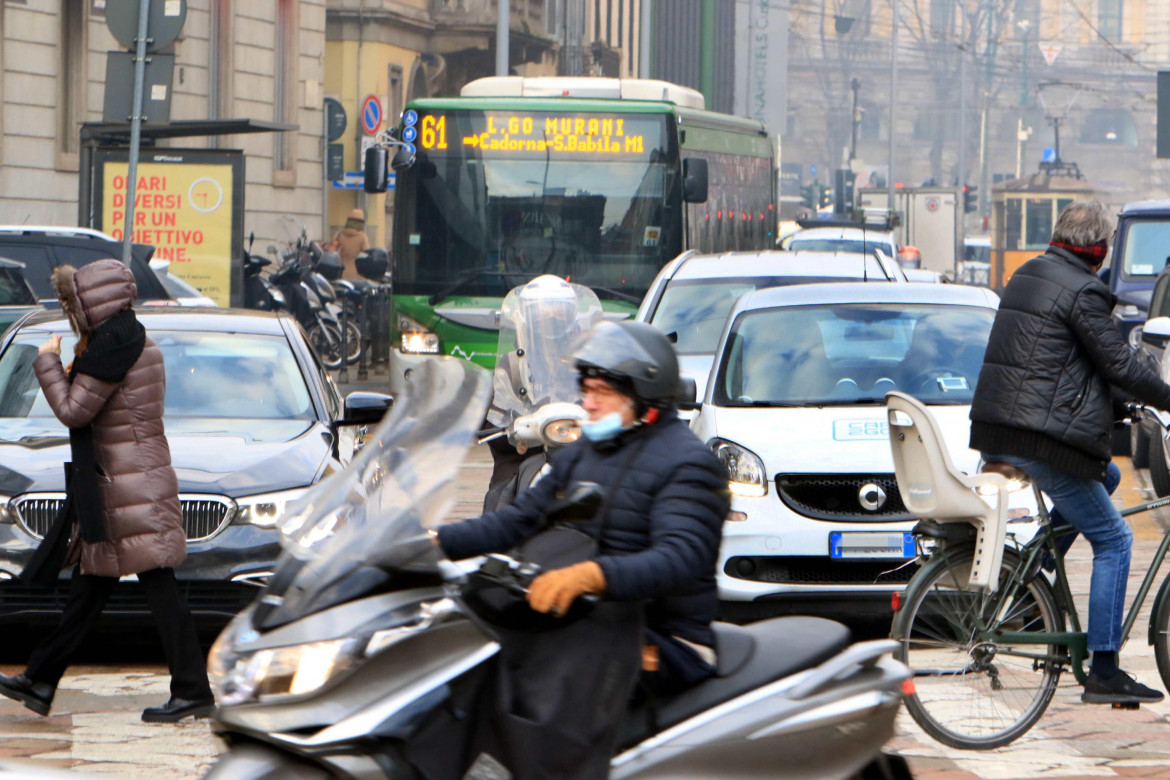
x=845 y=354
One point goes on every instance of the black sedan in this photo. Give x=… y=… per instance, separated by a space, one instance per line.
x=252 y=418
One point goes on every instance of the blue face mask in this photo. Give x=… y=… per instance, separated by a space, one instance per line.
x=604 y=429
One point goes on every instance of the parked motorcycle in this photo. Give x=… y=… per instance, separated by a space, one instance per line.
x=534 y=387
x=361 y=633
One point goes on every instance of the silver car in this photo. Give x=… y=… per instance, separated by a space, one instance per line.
x=693 y=294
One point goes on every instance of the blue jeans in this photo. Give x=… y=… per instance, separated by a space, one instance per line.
x=1085 y=504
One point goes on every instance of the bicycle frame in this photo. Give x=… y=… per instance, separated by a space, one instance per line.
x=1076 y=640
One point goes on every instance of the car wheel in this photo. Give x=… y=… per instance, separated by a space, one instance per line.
x=1139 y=446
x=1159 y=471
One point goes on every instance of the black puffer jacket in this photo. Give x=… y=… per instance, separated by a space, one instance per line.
x=1044 y=391
x=663 y=530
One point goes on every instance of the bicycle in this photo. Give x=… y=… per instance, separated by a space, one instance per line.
x=987 y=660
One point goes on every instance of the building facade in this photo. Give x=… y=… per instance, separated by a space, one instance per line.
x=1027 y=68
x=399 y=50
x=233 y=59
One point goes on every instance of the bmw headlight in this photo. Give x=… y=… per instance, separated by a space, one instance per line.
x=745 y=469
x=267 y=509
x=276 y=673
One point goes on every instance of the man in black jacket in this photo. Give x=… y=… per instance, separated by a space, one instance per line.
x=660 y=535
x=1043 y=404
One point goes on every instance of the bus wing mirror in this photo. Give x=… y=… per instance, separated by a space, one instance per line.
x=694 y=180
x=374 y=170
x=403 y=159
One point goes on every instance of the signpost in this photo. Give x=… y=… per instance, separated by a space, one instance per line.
x=145 y=29
x=371 y=114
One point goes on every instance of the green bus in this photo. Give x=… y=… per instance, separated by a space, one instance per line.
x=599 y=181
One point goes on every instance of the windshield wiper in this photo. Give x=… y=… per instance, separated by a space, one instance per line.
x=612 y=293
x=766 y=404
x=461 y=281
x=850 y=402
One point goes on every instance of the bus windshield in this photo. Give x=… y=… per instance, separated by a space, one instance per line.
x=497 y=198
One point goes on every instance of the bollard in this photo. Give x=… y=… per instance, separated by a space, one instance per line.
x=343 y=377
x=363 y=358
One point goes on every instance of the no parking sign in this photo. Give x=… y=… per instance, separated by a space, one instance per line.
x=371 y=114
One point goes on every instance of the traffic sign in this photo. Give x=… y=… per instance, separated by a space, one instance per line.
x=371 y=114
x=409 y=134
x=164 y=22
x=812 y=170
x=335 y=119
x=410 y=118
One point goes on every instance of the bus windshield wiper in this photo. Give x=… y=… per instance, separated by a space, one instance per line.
x=461 y=281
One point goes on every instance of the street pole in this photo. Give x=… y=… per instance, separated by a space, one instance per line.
x=135 y=127
x=644 y=40
x=502 y=25
x=984 y=182
x=1019 y=147
x=893 y=123
x=854 y=85
x=961 y=172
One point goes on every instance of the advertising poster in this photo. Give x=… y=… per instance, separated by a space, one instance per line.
x=187 y=206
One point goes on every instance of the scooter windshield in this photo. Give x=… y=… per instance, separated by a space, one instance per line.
x=367 y=523
x=539 y=322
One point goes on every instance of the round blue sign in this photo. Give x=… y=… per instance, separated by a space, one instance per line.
x=410 y=133
x=371 y=114
x=410 y=118
x=410 y=148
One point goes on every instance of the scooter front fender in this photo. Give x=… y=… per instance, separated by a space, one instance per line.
x=254 y=761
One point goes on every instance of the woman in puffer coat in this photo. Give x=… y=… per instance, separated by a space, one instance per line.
x=122 y=492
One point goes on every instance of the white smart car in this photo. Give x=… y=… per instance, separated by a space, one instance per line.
x=794 y=407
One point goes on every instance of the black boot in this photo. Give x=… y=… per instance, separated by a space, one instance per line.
x=177 y=709
x=38 y=697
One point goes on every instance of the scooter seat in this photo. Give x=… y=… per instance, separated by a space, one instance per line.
x=749 y=657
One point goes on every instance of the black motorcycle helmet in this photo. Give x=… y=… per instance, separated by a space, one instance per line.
x=635 y=357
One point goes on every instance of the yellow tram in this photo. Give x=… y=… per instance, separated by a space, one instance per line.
x=1023 y=212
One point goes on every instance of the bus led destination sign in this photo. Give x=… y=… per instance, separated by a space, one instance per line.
x=522 y=134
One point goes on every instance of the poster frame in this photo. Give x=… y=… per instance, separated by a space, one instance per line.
x=174 y=156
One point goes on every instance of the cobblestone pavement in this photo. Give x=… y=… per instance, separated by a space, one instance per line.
x=95 y=727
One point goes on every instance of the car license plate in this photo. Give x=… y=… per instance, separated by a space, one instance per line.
x=871 y=544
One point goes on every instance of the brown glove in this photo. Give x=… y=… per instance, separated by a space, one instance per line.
x=554 y=591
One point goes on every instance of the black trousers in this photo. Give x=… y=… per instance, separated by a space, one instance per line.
x=87 y=597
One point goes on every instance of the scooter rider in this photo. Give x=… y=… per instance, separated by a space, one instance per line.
x=659 y=543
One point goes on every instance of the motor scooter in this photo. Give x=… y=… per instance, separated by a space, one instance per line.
x=361 y=633
x=534 y=387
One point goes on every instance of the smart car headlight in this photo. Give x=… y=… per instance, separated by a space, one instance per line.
x=266 y=509
x=745 y=469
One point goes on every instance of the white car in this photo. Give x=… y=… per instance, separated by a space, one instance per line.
x=794 y=408
x=182 y=292
x=842 y=239
x=692 y=295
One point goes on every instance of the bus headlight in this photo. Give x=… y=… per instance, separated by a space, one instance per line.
x=417 y=340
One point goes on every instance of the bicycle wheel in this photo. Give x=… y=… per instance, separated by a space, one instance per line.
x=1161 y=626
x=353 y=341
x=970 y=693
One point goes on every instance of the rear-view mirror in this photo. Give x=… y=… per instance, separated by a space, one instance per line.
x=363 y=408
x=375 y=175
x=1156 y=332
x=688 y=394
x=694 y=180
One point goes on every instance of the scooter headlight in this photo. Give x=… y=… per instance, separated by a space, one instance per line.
x=274 y=673
x=561 y=432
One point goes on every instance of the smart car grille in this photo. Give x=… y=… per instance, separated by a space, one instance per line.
x=203 y=516
x=838 y=497
x=818 y=570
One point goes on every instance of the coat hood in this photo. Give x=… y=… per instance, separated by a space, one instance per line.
x=96 y=292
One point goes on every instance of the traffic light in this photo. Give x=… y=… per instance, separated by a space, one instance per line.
x=970 y=199
x=808 y=196
x=826 y=198
x=843 y=203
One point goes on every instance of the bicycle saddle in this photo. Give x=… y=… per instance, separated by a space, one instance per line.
x=1008 y=471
